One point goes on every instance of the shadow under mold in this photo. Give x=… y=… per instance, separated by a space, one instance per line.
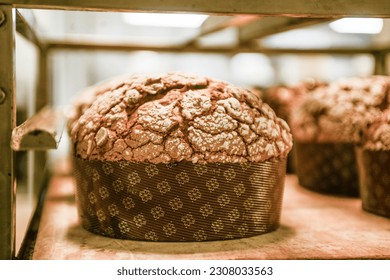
x=242 y=248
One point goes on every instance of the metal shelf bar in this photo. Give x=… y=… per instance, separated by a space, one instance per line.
x=215 y=24
x=27 y=31
x=7 y=123
x=273 y=25
x=96 y=46
x=295 y=8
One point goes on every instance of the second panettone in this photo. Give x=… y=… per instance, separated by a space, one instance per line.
x=283 y=100
x=326 y=126
x=373 y=157
x=175 y=157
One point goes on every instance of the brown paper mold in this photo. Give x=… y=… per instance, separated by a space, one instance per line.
x=175 y=157
x=181 y=201
x=327 y=168
x=374 y=177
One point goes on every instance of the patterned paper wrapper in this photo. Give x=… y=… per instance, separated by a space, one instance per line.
x=291 y=162
x=327 y=168
x=181 y=201
x=374 y=179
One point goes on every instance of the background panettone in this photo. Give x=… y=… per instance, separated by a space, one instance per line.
x=373 y=157
x=175 y=117
x=284 y=99
x=326 y=126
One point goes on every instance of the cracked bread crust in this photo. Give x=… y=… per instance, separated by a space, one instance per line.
x=283 y=99
x=166 y=118
x=376 y=137
x=338 y=112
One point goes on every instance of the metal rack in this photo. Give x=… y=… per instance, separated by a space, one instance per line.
x=253 y=18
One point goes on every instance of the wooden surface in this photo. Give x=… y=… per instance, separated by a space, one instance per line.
x=313 y=226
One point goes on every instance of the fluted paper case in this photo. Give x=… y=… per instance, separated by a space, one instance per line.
x=374 y=180
x=328 y=168
x=181 y=201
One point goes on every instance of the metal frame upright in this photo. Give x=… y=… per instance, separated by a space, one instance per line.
x=11 y=21
x=7 y=124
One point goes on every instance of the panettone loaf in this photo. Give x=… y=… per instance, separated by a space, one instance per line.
x=165 y=118
x=327 y=125
x=373 y=157
x=174 y=157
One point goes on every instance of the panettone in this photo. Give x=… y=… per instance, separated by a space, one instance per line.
x=284 y=99
x=373 y=157
x=175 y=157
x=326 y=126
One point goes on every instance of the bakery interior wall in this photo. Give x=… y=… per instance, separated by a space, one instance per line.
x=72 y=71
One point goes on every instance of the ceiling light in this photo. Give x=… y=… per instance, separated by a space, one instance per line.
x=357 y=25
x=164 y=20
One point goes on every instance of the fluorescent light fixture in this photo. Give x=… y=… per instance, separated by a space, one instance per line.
x=252 y=69
x=164 y=20
x=357 y=25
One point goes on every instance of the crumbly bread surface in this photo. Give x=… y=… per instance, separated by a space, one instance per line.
x=165 y=118
x=376 y=136
x=338 y=112
x=283 y=99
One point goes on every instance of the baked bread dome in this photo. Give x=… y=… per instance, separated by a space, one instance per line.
x=165 y=118
x=175 y=157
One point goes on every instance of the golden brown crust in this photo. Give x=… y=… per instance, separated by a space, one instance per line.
x=338 y=112
x=376 y=136
x=174 y=117
x=283 y=99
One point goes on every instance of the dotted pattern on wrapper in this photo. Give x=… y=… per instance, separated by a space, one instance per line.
x=327 y=168
x=374 y=179
x=181 y=201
